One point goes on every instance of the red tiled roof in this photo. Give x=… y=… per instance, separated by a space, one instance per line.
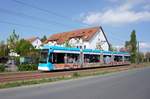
x=85 y=34
x=32 y=39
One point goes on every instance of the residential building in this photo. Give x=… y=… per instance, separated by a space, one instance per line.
x=35 y=41
x=89 y=38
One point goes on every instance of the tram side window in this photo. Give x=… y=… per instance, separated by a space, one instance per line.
x=127 y=58
x=107 y=59
x=117 y=58
x=72 y=58
x=59 y=58
x=90 y=58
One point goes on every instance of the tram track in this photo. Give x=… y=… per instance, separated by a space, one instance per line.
x=13 y=77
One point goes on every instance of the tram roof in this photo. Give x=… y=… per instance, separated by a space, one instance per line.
x=126 y=53
x=60 y=48
x=92 y=51
x=84 y=50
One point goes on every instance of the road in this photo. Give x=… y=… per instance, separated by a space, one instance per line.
x=132 y=84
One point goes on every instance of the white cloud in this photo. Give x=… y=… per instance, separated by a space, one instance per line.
x=144 y=46
x=122 y=14
x=116 y=17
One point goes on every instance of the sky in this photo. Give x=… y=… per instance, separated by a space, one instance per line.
x=45 y=17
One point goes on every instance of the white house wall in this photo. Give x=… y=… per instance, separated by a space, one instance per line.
x=105 y=44
x=76 y=42
x=91 y=44
x=98 y=37
x=86 y=43
x=52 y=43
x=36 y=43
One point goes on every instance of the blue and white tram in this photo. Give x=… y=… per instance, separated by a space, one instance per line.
x=56 y=57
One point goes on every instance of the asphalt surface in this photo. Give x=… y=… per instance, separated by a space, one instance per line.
x=132 y=84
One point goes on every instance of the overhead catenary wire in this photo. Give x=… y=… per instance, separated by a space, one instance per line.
x=21 y=25
x=19 y=14
x=49 y=12
x=23 y=15
x=54 y=13
x=117 y=39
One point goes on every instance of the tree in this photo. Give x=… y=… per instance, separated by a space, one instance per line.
x=12 y=40
x=3 y=49
x=23 y=47
x=111 y=48
x=141 y=57
x=147 y=56
x=128 y=46
x=44 y=38
x=133 y=45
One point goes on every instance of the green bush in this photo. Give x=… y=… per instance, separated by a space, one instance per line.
x=17 y=60
x=27 y=67
x=2 y=68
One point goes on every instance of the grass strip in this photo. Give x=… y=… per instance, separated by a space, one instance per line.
x=46 y=80
x=67 y=77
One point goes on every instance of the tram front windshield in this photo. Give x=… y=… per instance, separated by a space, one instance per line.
x=43 y=56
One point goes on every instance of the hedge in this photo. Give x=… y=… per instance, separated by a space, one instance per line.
x=27 y=67
x=2 y=68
